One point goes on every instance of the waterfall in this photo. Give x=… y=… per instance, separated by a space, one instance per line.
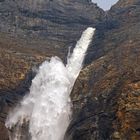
x=47 y=108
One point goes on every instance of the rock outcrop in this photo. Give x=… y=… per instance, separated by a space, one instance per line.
x=106 y=96
x=23 y=33
x=54 y=20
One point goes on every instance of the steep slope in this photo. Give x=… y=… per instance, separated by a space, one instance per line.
x=36 y=29
x=106 y=96
x=56 y=20
x=30 y=31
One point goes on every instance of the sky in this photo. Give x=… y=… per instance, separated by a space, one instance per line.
x=105 y=4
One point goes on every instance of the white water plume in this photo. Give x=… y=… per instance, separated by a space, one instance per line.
x=47 y=108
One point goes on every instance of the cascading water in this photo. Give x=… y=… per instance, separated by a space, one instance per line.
x=47 y=108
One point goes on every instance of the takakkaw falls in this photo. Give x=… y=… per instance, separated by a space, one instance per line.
x=47 y=108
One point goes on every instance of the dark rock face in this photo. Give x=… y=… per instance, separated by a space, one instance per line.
x=106 y=99
x=106 y=94
x=52 y=25
x=32 y=30
x=23 y=24
x=56 y=20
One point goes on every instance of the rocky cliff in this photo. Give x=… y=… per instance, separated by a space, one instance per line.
x=54 y=20
x=106 y=96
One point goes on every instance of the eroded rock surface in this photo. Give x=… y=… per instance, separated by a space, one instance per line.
x=55 y=20
x=106 y=95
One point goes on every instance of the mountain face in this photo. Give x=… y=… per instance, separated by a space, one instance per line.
x=36 y=29
x=106 y=95
x=56 y=20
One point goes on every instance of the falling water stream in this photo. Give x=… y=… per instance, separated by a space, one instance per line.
x=47 y=108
